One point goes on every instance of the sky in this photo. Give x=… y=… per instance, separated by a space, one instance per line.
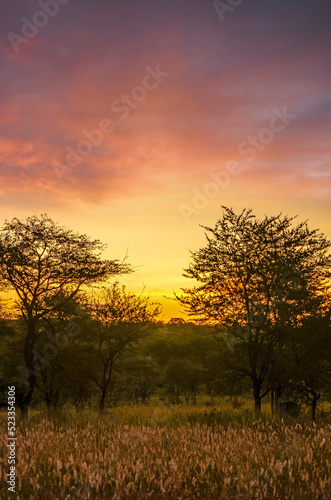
x=134 y=122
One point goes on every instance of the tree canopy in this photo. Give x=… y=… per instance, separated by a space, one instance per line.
x=40 y=259
x=122 y=319
x=47 y=266
x=258 y=278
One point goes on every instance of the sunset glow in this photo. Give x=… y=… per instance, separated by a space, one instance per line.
x=133 y=122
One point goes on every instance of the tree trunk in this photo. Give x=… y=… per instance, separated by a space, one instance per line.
x=314 y=404
x=257 y=406
x=106 y=378
x=24 y=413
x=48 y=399
x=257 y=399
x=277 y=399
x=272 y=401
x=278 y=395
x=30 y=364
x=103 y=399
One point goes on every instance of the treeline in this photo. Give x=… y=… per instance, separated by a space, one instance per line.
x=260 y=308
x=86 y=360
x=101 y=362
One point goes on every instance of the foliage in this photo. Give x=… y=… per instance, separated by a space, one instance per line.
x=121 y=320
x=258 y=279
x=47 y=266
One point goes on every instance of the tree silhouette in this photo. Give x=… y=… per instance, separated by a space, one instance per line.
x=122 y=319
x=258 y=278
x=41 y=261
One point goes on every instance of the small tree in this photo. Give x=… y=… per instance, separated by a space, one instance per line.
x=121 y=320
x=139 y=375
x=39 y=260
x=55 y=349
x=310 y=358
x=184 y=376
x=257 y=278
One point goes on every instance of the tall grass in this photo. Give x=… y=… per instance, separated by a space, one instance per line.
x=177 y=454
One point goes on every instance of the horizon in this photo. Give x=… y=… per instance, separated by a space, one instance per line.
x=134 y=124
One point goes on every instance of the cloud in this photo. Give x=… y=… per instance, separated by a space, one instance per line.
x=222 y=86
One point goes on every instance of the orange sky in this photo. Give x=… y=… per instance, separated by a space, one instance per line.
x=184 y=92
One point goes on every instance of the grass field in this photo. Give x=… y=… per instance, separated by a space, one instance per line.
x=170 y=453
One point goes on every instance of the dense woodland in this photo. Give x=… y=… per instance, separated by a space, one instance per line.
x=259 y=327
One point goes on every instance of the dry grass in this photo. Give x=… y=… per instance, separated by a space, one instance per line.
x=106 y=460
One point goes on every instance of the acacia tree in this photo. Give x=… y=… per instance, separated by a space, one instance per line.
x=121 y=320
x=55 y=349
x=41 y=260
x=258 y=278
